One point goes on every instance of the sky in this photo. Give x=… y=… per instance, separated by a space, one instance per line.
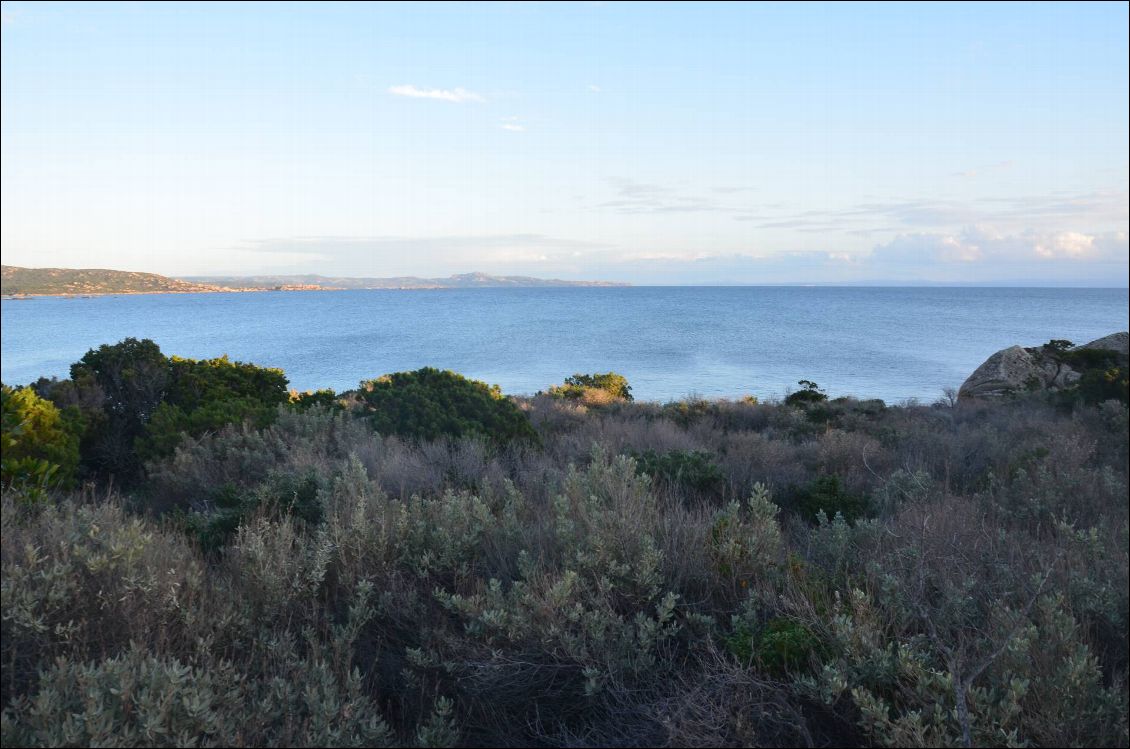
x=646 y=143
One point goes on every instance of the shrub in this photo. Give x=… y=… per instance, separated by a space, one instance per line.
x=685 y=469
x=480 y=594
x=280 y=493
x=809 y=393
x=138 y=699
x=779 y=646
x=324 y=398
x=690 y=410
x=1104 y=374
x=428 y=404
x=1098 y=385
x=826 y=494
x=204 y=395
x=38 y=443
x=614 y=386
x=137 y=404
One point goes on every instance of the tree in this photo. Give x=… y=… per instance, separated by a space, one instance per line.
x=138 y=404
x=809 y=393
x=204 y=395
x=131 y=376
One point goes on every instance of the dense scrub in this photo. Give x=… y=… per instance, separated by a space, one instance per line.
x=697 y=573
x=430 y=403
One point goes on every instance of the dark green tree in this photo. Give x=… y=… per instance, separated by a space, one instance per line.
x=204 y=395
x=809 y=393
x=131 y=378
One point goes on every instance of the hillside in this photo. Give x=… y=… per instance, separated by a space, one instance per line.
x=59 y=281
x=461 y=281
x=19 y=281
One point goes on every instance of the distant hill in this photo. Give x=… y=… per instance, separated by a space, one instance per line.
x=67 y=281
x=462 y=281
x=60 y=281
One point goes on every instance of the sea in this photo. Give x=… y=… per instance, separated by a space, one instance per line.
x=898 y=344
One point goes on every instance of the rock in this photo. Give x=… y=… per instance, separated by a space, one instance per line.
x=1119 y=342
x=1017 y=369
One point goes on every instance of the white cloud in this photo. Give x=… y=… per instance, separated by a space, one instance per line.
x=1070 y=244
x=594 y=88
x=981 y=244
x=512 y=127
x=457 y=95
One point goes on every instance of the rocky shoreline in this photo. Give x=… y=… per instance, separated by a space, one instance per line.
x=1056 y=366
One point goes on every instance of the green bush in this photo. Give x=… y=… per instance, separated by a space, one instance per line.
x=1104 y=374
x=1098 y=385
x=780 y=646
x=280 y=493
x=686 y=469
x=204 y=395
x=194 y=384
x=691 y=410
x=809 y=393
x=39 y=444
x=137 y=404
x=324 y=398
x=428 y=404
x=615 y=386
x=827 y=494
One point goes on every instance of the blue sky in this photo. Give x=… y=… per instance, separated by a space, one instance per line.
x=668 y=143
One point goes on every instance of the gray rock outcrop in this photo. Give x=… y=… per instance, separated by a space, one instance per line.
x=1017 y=369
x=1119 y=342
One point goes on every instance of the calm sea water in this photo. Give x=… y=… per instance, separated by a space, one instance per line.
x=890 y=343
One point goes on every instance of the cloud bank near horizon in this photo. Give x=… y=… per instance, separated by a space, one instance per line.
x=923 y=257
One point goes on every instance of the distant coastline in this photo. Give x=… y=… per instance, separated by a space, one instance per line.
x=30 y=283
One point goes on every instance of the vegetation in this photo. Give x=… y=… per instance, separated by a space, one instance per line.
x=826 y=494
x=1104 y=374
x=18 y=281
x=594 y=389
x=429 y=404
x=689 y=470
x=809 y=393
x=54 y=281
x=410 y=564
x=38 y=443
x=136 y=404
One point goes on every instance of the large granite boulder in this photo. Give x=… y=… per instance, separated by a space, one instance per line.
x=1017 y=369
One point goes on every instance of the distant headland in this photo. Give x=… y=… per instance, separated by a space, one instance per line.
x=29 y=282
